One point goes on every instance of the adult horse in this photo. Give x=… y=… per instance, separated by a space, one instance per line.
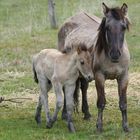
x=78 y=29
x=110 y=58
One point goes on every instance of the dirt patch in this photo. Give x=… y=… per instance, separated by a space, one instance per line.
x=110 y=89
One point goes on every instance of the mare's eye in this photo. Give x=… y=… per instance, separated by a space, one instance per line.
x=123 y=27
x=82 y=62
x=107 y=28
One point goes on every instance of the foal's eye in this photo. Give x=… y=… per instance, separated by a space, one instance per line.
x=82 y=62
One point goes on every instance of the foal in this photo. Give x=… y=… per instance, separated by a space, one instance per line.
x=61 y=70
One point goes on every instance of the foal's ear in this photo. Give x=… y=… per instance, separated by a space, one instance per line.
x=90 y=49
x=124 y=9
x=105 y=8
x=79 y=50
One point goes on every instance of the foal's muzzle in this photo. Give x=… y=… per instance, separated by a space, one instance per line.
x=89 y=77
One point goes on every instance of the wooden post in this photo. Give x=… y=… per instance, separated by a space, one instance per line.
x=51 y=11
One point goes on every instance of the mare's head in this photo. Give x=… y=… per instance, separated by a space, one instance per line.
x=112 y=30
x=84 y=62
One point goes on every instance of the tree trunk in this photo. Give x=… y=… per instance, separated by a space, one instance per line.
x=51 y=11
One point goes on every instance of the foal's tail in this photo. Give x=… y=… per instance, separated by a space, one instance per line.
x=35 y=74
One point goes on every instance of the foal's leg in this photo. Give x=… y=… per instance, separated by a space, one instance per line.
x=38 y=110
x=85 y=107
x=75 y=96
x=99 y=82
x=69 y=90
x=122 y=88
x=59 y=98
x=39 y=104
x=45 y=86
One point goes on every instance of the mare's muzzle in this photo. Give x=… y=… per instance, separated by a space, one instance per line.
x=115 y=55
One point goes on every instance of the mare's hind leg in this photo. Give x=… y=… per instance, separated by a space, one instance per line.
x=99 y=82
x=69 y=90
x=85 y=107
x=122 y=87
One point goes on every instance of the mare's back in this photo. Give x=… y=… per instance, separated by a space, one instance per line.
x=78 y=28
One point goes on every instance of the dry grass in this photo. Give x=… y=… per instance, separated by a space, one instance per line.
x=110 y=89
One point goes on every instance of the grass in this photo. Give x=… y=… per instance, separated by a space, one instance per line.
x=25 y=30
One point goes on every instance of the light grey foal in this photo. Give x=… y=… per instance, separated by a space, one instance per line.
x=61 y=70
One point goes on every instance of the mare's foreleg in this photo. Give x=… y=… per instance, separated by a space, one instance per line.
x=85 y=107
x=122 y=88
x=99 y=82
x=69 y=90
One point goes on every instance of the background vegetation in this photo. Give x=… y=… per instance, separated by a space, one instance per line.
x=25 y=30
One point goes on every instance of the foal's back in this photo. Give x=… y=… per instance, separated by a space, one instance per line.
x=50 y=62
x=44 y=61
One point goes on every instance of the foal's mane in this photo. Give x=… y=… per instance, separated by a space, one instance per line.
x=101 y=39
x=82 y=47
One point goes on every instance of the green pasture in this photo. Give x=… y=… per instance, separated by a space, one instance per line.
x=24 y=31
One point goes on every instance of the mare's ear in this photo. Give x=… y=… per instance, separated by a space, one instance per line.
x=124 y=9
x=79 y=50
x=105 y=8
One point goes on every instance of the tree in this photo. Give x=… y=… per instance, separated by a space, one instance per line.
x=51 y=11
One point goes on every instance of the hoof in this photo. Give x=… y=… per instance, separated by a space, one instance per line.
x=38 y=119
x=64 y=116
x=87 y=116
x=99 y=128
x=54 y=120
x=127 y=130
x=71 y=127
x=49 y=125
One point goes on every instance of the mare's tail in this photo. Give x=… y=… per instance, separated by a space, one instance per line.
x=35 y=74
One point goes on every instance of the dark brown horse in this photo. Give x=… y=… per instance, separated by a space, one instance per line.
x=111 y=59
x=111 y=55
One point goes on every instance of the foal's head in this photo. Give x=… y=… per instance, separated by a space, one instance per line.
x=112 y=30
x=84 y=62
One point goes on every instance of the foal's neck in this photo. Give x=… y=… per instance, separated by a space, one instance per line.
x=71 y=63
